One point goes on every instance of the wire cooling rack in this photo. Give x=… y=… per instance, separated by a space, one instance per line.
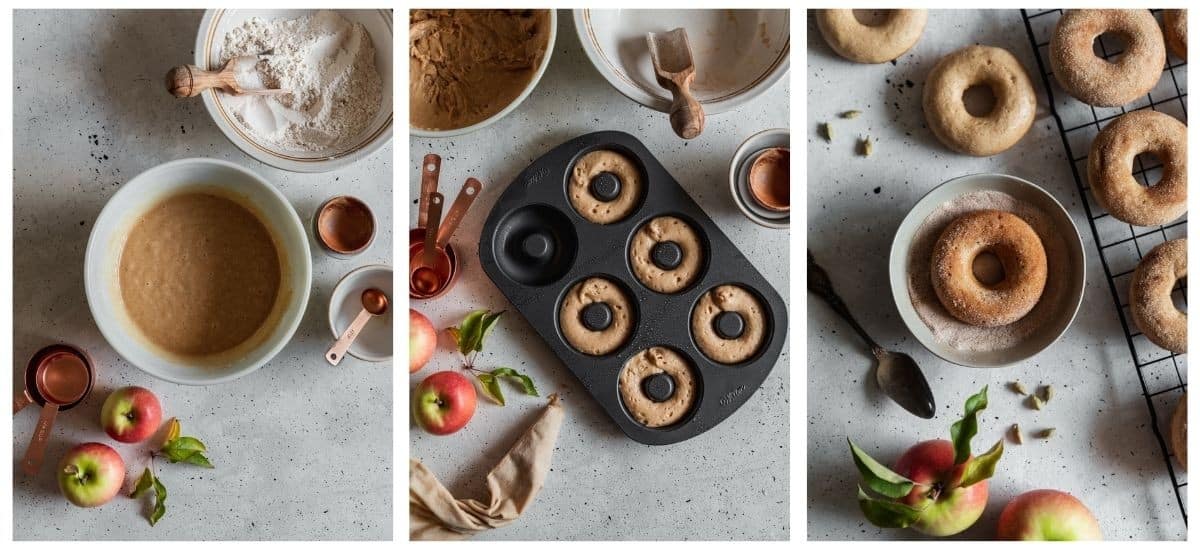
x=1163 y=375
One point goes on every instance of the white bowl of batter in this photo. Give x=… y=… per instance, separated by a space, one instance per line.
x=167 y=337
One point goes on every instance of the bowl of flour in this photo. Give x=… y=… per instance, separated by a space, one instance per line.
x=337 y=68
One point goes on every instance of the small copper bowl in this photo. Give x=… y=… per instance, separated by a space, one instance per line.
x=65 y=386
x=344 y=226
x=769 y=179
x=445 y=277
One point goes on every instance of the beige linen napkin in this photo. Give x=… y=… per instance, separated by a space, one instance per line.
x=434 y=513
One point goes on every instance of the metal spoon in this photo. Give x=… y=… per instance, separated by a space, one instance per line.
x=896 y=373
x=374 y=303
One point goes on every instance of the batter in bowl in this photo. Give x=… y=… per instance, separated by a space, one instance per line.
x=199 y=274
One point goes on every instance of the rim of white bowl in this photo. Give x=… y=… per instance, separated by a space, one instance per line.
x=330 y=313
x=92 y=253
x=628 y=88
x=537 y=77
x=233 y=131
x=908 y=313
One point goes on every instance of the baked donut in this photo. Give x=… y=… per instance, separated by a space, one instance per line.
x=666 y=254
x=1010 y=118
x=1178 y=432
x=1020 y=252
x=1175 y=32
x=729 y=324
x=1115 y=81
x=596 y=317
x=857 y=41
x=1111 y=163
x=1154 y=311
x=657 y=387
x=605 y=186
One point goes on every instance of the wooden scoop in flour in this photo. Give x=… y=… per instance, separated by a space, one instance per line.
x=675 y=71
x=239 y=76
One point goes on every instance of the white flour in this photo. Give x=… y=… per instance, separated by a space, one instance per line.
x=957 y=334
x=328 y=65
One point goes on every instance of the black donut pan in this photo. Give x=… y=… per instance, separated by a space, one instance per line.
x=537 y=201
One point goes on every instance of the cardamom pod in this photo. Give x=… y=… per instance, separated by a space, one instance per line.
x=850 y=114
x=827 y=131
x=1046 y=433
x=1015 y=431
x=1018 y=387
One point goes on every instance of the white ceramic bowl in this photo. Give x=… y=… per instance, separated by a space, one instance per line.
x=533 y=82
x=374 y=343
x=1024 y=191
x=739 y=177
x=209 y=42
x=144 y=191
x=738 y=54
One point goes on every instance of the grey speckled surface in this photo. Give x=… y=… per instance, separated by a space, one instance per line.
x=303 y=450
x=1103 y=450
x=728 y=483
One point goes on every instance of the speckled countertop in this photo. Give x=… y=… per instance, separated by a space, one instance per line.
x=1103 y=450
x=728 y=483
x=303 y=450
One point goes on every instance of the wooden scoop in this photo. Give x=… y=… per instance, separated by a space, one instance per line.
x=675 y=71
x=239 y=76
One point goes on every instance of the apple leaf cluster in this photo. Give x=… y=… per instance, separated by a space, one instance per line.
x=175 y=448
x=469 y=336
x=891 y=486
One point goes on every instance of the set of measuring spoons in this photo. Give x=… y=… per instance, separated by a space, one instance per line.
x=57 y=378
x=433 y=264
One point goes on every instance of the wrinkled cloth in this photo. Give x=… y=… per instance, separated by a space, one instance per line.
x=435 y=514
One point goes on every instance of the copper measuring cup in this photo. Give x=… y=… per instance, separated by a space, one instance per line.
x=441 y=279
x=58 y=377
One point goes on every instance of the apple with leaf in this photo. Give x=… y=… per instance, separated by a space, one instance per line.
x=937 y=487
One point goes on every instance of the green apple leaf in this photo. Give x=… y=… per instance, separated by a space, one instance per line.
x=186 y=449
x=963 y=430
x=470 y=331
x=160 y=502
x=983 y=466
x=525 y=381
x=486 y=325
x=187 y=443
x=877 y=476
x=883 y=513
x=491 y=387
x=143 y=484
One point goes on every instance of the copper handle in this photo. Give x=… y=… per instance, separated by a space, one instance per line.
x=343 y=343
x=41 y=434
x=458 y=210
x=431 y=168
x=429 y=254
x=21 y=400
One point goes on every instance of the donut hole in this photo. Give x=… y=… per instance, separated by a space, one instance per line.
x=872 y=18
x=987 y=268
x=1147 y=169
x=979 y=100
x=1110 y=46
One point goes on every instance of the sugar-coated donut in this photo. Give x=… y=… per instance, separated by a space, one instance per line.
x=1175 y=32
x=1020 y=252
x=1154 y=311
x=999 y=70
x=1178 y=432
x=1111 y=163
x=1115 y=81
x=856 y=41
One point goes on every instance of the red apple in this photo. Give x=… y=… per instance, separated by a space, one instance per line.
x=444 y=402
x=90 y=474
x=1046 y=514
x=422 y=340
x=131 y=414
x=930 y=464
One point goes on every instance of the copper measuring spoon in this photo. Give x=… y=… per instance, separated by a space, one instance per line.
x=429 y=270
x=458 y=210
x=430 y=170
x=374 y=303
x=62 y=377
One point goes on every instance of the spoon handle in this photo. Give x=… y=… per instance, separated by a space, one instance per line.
x=819 y=284
x=335 y=353
x=41 y=434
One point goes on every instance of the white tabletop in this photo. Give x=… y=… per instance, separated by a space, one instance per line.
x=302 y=450
x=730 y=482
x=1103 y=450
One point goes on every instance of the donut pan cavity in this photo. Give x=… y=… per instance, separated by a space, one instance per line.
x=535 y=247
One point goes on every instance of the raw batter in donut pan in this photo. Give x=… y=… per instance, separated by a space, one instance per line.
x=557 y=241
